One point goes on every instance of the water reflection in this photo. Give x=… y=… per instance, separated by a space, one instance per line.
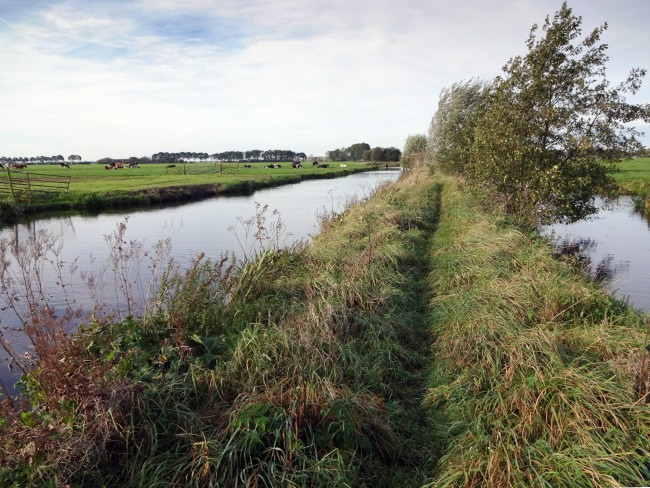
x=615 y=247
x=87 y=242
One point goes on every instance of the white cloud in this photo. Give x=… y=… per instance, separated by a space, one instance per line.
x=132 y=78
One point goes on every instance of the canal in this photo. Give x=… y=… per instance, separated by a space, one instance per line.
x=77 y=263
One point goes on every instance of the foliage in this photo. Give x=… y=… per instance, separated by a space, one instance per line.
x=553 y=124
x=363 y=152
x=415 y=149
x=451 y=131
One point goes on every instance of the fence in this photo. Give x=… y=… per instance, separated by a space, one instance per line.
x=24 y=187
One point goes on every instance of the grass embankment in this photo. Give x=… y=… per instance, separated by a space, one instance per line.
x=93 y=187
x=305 y=367
x=309 y=367
x=534 y=368
x=634 y=178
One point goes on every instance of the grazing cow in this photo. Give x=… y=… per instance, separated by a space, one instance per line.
x=296 y=164
x=17 y=165
x=248 y=166
x=64 y=165
x=271 y=166
x=315 y=163
x=109 y=167
x=133 y=165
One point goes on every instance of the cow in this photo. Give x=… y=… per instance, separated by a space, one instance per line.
x=17 y=165
x=296 y=164
x=109 y=167
x=133 y=165
x=315 y=163
x=323 y=165
x=170 y=166
x=248 y=166
x=64 y=165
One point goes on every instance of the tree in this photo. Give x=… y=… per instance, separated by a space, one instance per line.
x=356 y=151
x=392 y=154
x=74 y=157
x=377 y=154
x=554 y=127
x=451 y=132
x=415 y=148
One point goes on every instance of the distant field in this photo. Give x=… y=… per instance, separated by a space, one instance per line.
x=634 y=176
x=87 y=178
x=94 y=187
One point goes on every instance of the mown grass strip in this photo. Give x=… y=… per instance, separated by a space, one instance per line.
x=533 y=372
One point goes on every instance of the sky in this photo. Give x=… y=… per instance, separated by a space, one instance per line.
x=118 y=78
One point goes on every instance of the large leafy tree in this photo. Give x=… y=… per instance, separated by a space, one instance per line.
x=554 y=126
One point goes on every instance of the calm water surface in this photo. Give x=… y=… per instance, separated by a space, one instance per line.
x=617 y=244
x=212 y=226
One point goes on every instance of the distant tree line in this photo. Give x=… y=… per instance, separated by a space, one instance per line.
x=274 y=155
x=34 y=159
x=361 y=151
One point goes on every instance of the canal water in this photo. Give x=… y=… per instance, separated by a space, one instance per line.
x=617 y=245
x=85 y=248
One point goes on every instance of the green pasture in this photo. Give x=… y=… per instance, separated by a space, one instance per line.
x=634 y=176
x=94 y=187
x=87 y=178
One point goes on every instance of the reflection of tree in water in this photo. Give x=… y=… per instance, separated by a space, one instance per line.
x=582 y=249
x=641 y=207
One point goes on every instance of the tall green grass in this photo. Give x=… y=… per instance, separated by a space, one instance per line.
x=295 y=367
x=533 y=368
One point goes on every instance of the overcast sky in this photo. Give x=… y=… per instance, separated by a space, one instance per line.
x=118 y=78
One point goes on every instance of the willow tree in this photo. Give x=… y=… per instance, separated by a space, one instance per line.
x=554 y=126
x=415 y=148
x=451 y=131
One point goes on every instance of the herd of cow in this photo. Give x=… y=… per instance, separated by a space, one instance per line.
x=111 y=166
x=294 y=165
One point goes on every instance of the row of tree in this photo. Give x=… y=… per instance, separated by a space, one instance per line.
x=38 y=159
x=362 y=152
x=272 y=155
x=543 y=138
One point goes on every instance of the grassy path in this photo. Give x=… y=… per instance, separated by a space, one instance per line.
x=419 y=341
x=533 y=375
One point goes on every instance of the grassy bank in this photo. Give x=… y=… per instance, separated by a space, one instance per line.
x=299 y=367
x=419 y=341
x=533 y=376
x=93 y=187
x=634 y=176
